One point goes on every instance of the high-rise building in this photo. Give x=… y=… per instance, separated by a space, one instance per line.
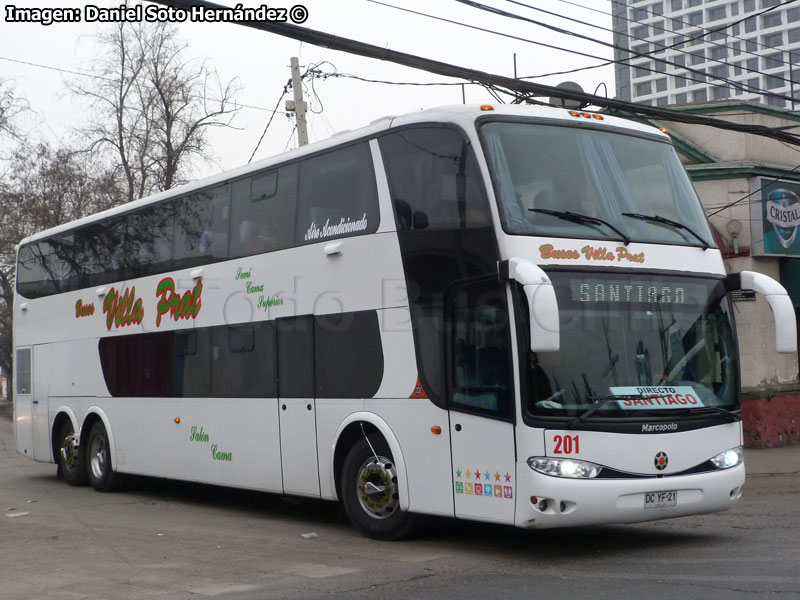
x=680 y=51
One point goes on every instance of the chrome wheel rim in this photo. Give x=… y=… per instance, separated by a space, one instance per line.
x=97 y=457
x=376 y=487
x=69 y=452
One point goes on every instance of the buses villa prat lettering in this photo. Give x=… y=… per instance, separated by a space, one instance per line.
x=171 y=302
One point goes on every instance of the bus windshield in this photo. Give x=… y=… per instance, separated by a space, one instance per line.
x=611 y=184
x=639 y=344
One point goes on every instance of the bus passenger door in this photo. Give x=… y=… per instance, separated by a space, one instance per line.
x=481 y=399
x=297 y=405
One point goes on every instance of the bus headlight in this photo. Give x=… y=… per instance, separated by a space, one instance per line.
x=729 y=458
x=564 y=467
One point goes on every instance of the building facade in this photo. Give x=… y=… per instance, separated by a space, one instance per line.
x=682 y=51
x=750 y=189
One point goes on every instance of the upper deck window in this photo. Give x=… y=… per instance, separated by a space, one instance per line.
x=337 y=195
x=539 y=170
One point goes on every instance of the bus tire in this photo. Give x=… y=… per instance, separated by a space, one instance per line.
x=98 y=461
x=71 y=463
x=370 y=491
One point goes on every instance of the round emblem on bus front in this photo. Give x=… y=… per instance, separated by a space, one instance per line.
x=661 y=460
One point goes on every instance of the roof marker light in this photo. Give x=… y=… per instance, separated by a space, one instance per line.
x=664 y=131
x=574 y=113
x=598 y=117
x=486 y=107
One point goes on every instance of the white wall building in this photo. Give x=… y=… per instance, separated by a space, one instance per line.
x=682 y=51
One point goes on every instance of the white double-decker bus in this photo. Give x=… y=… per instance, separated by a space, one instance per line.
x=506 y=314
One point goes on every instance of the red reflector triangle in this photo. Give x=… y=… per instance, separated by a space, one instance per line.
x=419 y=391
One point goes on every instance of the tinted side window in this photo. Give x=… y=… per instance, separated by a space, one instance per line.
x=263 y=212
x=434 y=179
x=201 y=227
x=244 y=362
x=348 y=355
x=139 y=365
x=296 y=357
x=480 y=349
x=337 y=195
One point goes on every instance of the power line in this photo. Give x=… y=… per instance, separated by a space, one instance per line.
x=271 y=117
x=326 y=40
x=675 y=46
x=730 y=83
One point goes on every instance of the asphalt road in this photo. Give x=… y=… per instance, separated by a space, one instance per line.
x=172 y=541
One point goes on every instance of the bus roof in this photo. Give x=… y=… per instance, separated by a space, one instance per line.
x=463 y=115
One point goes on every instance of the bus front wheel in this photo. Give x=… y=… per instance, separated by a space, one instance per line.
x=370 y=491
x=98 y=457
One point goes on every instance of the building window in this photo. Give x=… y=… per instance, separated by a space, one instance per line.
x=641 y=49
x=661 y=84
x=737 y=68
x=773 y=39
x=719 y=53
x=642 y=89
x=720 y=93
x=749 y=5
x=679 y=81
x=751 y=45
x=772 y=19
x=695 y=58
x=794 y=35
x=696 y=18
x=640 y=33
x=772 y=61
x=773 y=82
x=793 y=15
x=678 y=24
x=677 y=42
x=750 y=25
x=736 y=48
x=719 y=71
x=735 y=29
x=641 y=70
x=769 y=3
x=679 y=60
x=693 y=3
x=662 y=101
x=657 y=8
x=681 y=98
x=677 y=4
x=777 y=102
x=752 y=65
x=734 y=9
x=716 y=13
x=700 y=95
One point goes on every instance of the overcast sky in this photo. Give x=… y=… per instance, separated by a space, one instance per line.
x=261 y=63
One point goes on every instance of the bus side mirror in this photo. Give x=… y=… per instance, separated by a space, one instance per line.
x=542 y=303
x=779 y=302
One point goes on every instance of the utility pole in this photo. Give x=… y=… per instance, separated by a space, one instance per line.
x=298 y=106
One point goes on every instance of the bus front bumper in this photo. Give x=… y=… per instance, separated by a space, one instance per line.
x=544 y=501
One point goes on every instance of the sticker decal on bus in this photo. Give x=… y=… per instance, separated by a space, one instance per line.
x=496 y=489
x=657 y=397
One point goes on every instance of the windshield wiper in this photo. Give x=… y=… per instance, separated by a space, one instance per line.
x=665 y=221
x=579 y=218
x=600 y=402
x=734 y=417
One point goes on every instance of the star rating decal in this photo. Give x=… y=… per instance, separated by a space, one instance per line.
x=496 y=490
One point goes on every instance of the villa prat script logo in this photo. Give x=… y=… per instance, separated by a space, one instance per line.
x=783 y=212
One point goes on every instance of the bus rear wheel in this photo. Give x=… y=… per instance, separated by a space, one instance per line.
x=98 y=457
x=71 y=464
x=370 y=491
